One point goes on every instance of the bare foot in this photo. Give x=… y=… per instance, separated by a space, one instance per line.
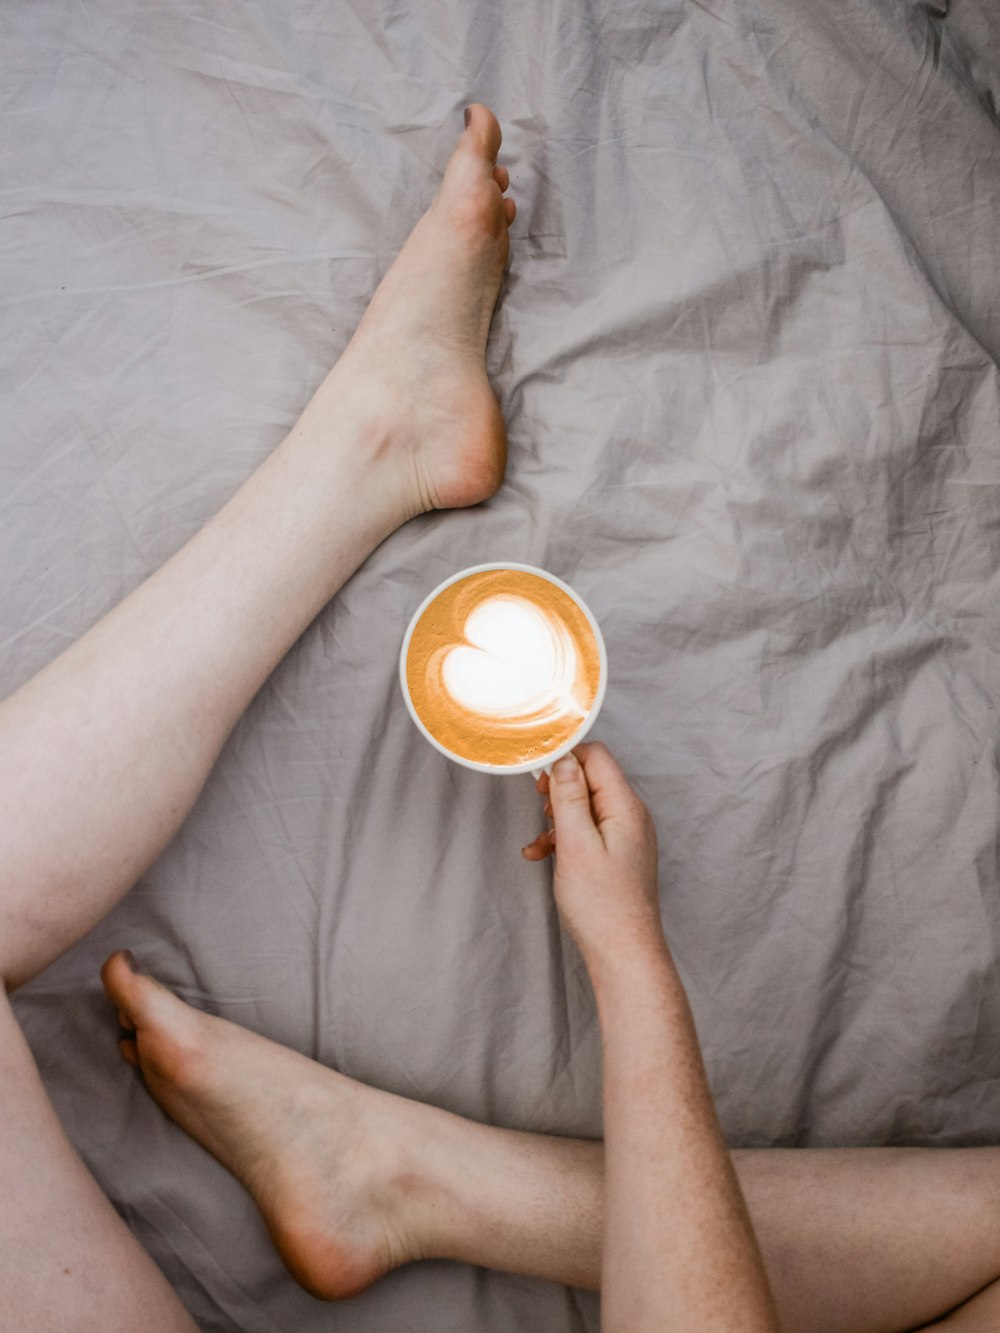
x=417 y=360
x=324 y=1157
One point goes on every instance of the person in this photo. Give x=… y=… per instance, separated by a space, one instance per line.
x=110 y=744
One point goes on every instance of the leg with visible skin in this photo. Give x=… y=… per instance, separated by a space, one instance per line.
x=67 y=1260
x=111 y=743
x=353 y=1182
x=104 y=752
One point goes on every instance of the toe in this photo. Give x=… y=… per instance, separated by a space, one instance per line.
x=142 y=1002
x=122 y=984
x=482 y=133
x=502 y=177
x=509 y=210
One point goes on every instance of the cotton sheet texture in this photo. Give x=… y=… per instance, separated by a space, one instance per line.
x=746 y=350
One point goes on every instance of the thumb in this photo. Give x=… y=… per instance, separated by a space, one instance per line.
x=570 y=797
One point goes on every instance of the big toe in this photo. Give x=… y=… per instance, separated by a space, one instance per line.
x=143 y=1003
x=475 y=153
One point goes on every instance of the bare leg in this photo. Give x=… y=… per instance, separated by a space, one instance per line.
x=67 y=1260
x=104 y=752
x=353 y=1182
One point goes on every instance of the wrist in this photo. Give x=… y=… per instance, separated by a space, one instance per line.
x=628 y=969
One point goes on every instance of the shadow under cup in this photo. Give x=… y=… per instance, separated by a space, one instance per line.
x=503 y=668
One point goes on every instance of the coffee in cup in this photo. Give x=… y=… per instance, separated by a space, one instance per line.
x=503 y=668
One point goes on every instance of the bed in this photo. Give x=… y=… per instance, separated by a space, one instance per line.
x=747 y=351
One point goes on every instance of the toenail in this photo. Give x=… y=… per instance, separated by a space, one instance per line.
x=468 y=116
x=131 y=960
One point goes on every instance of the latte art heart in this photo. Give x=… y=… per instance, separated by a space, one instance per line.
x=503 y=667
x=517 y=664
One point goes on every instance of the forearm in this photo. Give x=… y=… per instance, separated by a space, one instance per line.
x=679 y=1251
x=103 y=753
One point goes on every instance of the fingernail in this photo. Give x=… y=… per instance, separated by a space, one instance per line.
x=131 y=960
x=468 y=116
x=566 y=769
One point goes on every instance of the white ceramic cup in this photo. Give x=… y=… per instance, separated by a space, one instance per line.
x=532 y=766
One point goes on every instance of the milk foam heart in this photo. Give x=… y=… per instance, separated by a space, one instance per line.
x=502 y=667
x=516 y=663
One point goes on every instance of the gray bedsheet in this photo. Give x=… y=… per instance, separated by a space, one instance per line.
x=746 y=350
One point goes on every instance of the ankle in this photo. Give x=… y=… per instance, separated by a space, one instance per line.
x=357 y=420
x=420 y=1205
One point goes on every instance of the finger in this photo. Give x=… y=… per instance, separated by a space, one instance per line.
x=542 y=784
x=571 y=810
x=610 y=792
x=129 y=1050
x=547 y=812
x=125 y=1021
x=542 y=846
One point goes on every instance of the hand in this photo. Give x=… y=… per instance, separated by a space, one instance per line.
x=606 y=859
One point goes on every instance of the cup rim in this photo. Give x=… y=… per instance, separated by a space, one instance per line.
x=545 y=761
